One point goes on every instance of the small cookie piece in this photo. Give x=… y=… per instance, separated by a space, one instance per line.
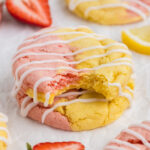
x=3 y=132
x=111 y=12
x=136 y=137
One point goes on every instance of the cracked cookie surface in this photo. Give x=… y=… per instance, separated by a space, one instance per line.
x=70 y=77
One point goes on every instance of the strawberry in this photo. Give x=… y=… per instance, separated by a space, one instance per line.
x=1 y=5
x=58 y=146
x=36 y=12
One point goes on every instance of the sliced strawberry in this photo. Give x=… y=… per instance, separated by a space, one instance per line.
x=1 y=4
x=59 y=146
x=36 y=12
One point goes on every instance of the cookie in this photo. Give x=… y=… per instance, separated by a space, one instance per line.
x=3 y=132
x=110 y=12
x=136 y=137
x=55 y=61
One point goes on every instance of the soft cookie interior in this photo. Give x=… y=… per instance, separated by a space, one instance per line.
x=78 y=110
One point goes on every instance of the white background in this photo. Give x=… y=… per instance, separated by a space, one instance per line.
x=23 y=130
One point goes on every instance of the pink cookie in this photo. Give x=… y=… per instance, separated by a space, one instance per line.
x=39 y=113
x=136 y=137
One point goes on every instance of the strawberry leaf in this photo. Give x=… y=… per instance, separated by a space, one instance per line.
x=28 y=146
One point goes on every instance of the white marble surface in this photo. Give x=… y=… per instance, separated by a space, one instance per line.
x=24 y=130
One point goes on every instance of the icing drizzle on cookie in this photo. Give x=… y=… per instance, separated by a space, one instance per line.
x=117 y=143
x=73 y=4
x=123 y=61
x=3 y=118
x=28 y=104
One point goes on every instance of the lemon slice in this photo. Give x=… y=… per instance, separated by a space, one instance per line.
x=138 y=39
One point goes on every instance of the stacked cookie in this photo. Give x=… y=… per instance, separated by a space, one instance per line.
x=111 y=12
x=72 y=78
x=3 y=132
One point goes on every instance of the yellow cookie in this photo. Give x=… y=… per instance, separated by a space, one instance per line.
x=3 y=132
x=86 y=115
x=110 y=12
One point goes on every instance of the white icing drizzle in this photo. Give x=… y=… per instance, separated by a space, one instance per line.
x=76 y=93
x=76 y=52
x=73 y=62
x=73 y=6
x=36 y=85
x=26 y=110
x=138 y=136
x=59 y=34
x=47 y=99
x=146 y=6
x=132 y=8
x=3 y=139
x=114 y=148
x=135 y=134
x=4 y=129
x=52 y=29
x=117 y=141
x=68 y=103
x=144 y=126
x=32 y=104
x=127 y=95
x=19 y=84
x=123 y=59
x=129 y=89
x=57 y=42
x=3 y=118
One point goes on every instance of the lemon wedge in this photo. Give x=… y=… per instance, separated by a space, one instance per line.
x=138 y=39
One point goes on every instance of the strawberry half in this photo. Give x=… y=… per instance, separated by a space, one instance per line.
x=59 y=146
x=1 y=5
x=36 y=12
